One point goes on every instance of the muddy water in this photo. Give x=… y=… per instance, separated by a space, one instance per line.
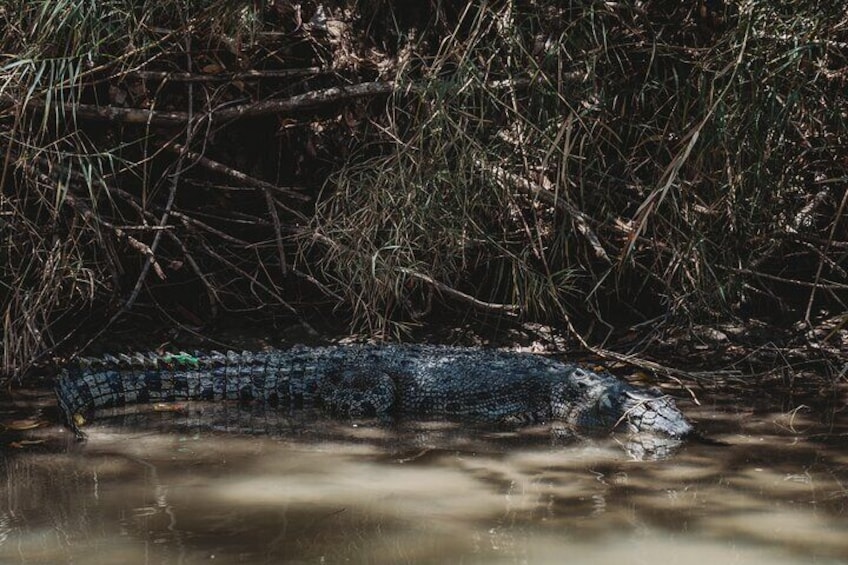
x=239 y=487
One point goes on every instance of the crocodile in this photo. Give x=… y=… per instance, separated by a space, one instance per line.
x=377 y=381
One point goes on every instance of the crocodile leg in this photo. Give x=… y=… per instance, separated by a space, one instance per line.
x=358 y=393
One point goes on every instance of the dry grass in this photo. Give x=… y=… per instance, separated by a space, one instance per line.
x=658 y=161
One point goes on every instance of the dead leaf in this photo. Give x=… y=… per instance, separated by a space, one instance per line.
x=117 y=96
x=21 y=425
x=169 y=407
x=25 y=443
x=211 y=69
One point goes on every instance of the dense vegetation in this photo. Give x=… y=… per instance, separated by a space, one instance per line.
x=594 y=165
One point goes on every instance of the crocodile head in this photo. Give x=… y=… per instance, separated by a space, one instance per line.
x=643 y=411
x=605 y=403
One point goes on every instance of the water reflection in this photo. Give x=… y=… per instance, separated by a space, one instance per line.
x=173 y=488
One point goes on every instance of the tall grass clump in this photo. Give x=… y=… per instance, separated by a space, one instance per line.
x=82 y=200
x=618 y=162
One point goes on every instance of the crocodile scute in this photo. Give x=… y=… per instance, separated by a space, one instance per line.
x=361 y=381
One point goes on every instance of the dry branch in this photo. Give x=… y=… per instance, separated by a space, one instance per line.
x=305 y=101
x=236 y=175
x=511 y=309
x=281 y=106
x=228 y=77
x=826 y=285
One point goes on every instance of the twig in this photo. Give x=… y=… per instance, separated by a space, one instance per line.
x=817 y=284
x=272 y=292
x=147 y=251
x=225 y=77
x=185 y=218
x=236 y=175
x=211 y=292
x=824 y=253
x=511 y=309
x=637 y=361
x=278 y=235
x=157 y=237
x=306 y=100
x=276 y=106
x=289 y=105
x=535 y=190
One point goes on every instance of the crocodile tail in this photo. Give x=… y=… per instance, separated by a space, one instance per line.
x=91 y=383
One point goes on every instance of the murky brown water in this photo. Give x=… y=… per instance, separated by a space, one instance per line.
x=317 y=491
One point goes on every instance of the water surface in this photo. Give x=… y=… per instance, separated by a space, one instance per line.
x=177 y=488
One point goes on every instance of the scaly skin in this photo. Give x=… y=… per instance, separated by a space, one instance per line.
x=468 y=384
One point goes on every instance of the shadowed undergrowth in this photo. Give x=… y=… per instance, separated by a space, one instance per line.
x=593 y=165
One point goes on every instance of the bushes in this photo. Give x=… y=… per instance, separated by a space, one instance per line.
x=681 y=142
x=618 y=161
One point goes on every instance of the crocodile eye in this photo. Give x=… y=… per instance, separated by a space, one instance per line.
x=640 y=396
x=580 y=377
